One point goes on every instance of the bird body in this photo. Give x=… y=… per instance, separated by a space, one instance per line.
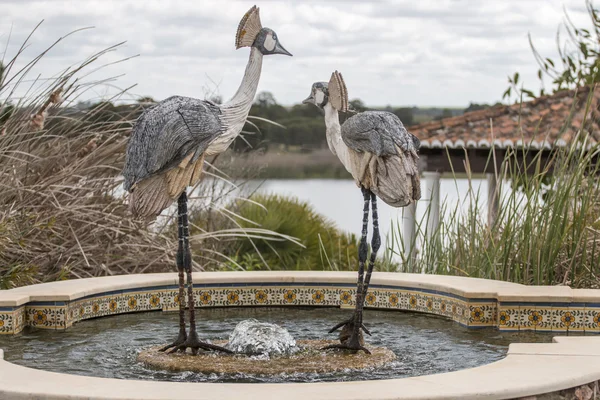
x=377 y=150
x=382 y=157
x=169 y=141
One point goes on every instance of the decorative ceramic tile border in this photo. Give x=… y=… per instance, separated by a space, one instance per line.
x=549 y=317
x=7 y=322
x=454 y=300
x=61 y=315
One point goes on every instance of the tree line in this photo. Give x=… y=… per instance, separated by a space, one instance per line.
x=271 y=126
x=305 y=126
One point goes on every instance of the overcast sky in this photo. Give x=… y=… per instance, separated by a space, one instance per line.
x=425 y=52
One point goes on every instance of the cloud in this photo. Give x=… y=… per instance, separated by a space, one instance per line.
x=446 y=52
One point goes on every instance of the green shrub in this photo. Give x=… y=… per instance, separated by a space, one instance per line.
x=323 y=246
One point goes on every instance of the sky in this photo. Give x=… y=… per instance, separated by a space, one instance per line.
x=397 y=52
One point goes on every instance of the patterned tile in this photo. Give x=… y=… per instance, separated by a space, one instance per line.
x=6 y=322
x=462 y=312
x=19 y=319
x=46 y=317
x=568 y=319
x=446 y=307
x=475 y=313
x=413 y=302
x=482 y=314
x=592 y=319
x=509 y=316
x=528 y=317
x=535 y=318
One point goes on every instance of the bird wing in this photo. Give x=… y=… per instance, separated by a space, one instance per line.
x=164 y=135
x=378 y=132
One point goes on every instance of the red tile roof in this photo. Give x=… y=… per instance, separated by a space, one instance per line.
x=547 y=121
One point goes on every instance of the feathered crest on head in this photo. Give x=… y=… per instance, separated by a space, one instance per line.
x=248 y=28
x=338 y=94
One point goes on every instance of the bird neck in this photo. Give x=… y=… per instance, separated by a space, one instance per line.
x=239 y=105
x=333 y=128
x=334 y=138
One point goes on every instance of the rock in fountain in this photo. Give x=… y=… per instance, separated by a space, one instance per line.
x=252 y=338
x=267 y=349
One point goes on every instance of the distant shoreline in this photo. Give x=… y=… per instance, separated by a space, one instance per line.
x=280 y=164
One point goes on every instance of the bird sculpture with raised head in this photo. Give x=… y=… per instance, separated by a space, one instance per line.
x=382 y=157
x=166 y=151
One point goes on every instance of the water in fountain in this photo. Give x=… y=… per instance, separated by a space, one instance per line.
x=252 y=337
x=109 y=347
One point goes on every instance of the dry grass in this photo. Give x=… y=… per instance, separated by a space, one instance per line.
x=63 y=214
x=59 y=170
x=544 y=234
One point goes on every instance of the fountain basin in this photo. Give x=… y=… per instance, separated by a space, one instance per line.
x=527 y=370
x=310 y=360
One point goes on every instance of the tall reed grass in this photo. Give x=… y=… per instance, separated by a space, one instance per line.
x=63 y=213
x=547 y=231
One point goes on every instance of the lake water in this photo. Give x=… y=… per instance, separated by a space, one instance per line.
x=342 y=201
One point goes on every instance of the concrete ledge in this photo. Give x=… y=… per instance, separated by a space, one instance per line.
x=515 y=376
x=528 y=369
x=471 y=302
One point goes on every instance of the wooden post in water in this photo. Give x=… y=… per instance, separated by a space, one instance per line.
x=409 y=237
x=493 y=198
x=432 y=180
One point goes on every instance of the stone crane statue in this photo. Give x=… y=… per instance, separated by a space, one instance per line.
x=383 y=158
x=166 y=152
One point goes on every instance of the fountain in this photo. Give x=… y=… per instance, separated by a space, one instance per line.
x=267 y=350
x=252 y=338
x=299 y=308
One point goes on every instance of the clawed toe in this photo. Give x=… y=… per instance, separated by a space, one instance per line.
x=197 y=345
x=342 y=346
x=167 y=347
x=364 y=328
x=181 y=338
x=349 y=322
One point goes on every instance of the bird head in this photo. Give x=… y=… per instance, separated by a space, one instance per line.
x=319 y=95
x=268 y=43
x=334 y=92
x=250 y=33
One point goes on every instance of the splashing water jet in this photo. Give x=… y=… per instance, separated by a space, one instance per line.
x=251 y=337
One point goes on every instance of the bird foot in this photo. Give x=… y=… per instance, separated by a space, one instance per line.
x=197 y=345
x=181 y=338
x=192 y=342
x=348 y=324
x=347 y=346
x=351 y=338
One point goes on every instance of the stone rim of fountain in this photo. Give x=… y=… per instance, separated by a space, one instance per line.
x=528 y=369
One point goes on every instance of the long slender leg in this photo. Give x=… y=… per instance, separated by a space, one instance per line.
x=351 y=336
x=375 y=243
x=180 y=267
x=192 y=340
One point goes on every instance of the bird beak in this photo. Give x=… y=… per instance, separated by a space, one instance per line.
x=309 y=100
x=279 y=49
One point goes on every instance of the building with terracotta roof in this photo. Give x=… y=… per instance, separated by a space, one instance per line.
x=462 y=143
x=537 y=125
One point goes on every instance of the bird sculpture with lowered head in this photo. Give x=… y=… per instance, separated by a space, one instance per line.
x=382 y=157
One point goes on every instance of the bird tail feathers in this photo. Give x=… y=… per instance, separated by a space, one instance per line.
x=150 y=197
x=395 y=179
